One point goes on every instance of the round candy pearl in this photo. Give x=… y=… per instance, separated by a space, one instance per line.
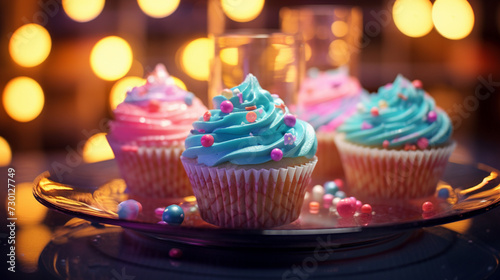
x=173 y=215
x=226 y=107
x=207 y=140
x=417 y=83
x=289 y=120
x=206 y=116
x=331 y=187
x=385 y=144
x=227 y=93
x=175 y=253
x=313 y=207
x=129 y=209
x=443 y=193
x=276 y=154
x=345 y=208
x=339 y=183
x=159 y=211
x=340 y=194
x=431 y=116
x=423 y=143
x=317 y=192
x=251 y=116
x=374 y=111
x=188 y=99
x=366 y=209
x=359 y=204
x=427 y=206
x=327 y=200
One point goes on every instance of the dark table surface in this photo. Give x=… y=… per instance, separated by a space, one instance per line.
x=52 y=245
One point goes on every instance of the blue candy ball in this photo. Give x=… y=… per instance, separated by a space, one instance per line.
x=340 y=194
x=129 y=209
x=188 y=99
x=443 y=193
x=331 y=187
x=173 y=215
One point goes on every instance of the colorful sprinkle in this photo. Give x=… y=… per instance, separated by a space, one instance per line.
x=330 y=187
x=431 y=116
x=276 y=154
x=443 y=193
x=173 y=215
x=427 y=206
x=422 y=143
x=206 y=116
x=251 y=116
x=289 y=139
x=281 y=106
x=382 y=104
x=227 y=93
x=402 y=96
x=289 y=120
x=175 y=253
x=313 y=207
x=327 y=200
x=250 y=108
x=366 y=125
x=207 y=140
x=385 y=144
x=129 y=209
x=188 y=99
x=153 y=105
x=201 y=130
x=366 y=209
x=410 y=147
x=240 y=97
x=374 y=111
x=346 y=208
x=226 y=107
x=417 y=83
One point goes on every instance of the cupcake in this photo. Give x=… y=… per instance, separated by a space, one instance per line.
x=398 y=143
x=249 y=161
x=325 y=100
x=147 y=136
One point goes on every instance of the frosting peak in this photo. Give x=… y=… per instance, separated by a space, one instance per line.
x=249 y=126
x=399 y=115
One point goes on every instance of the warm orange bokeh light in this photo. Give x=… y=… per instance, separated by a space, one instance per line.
x=195 y=58
x=97 y=149
x=158 y=8
x=23 y=99
x=83 y=10
x=413 y=17
x=30 y=45
x=111 y=58
x=242 y=11
x=454 y=19
x=5 y=152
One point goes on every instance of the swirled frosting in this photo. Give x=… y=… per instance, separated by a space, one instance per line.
x=249 y=126
x=399 y=115
x=327 y=98
x=158 y=110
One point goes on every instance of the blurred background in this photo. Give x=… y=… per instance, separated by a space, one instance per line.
x=66 y=64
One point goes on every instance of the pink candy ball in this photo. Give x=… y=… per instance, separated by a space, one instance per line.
x=207 y=140
x=226 y=107
x=346 y=208
x=276 y=154
x=427 y=206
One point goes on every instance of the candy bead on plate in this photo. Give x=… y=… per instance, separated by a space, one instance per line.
x=331 y=187
x=313 y=207
x=427 y=206
x=173 y=215
x=443 y=193
x=327 y=200
x=346 y=208
x=317 y=192
x=129 y=209
x=339 y=183
x=340 y=194
x=366 y=209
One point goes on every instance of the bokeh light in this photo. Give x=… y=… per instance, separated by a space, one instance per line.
x=120 y=88
x=97 y=149
x=158 y=8
x=195 y=58
x=5 y=152
x=31 y=240
x=30 y=45
x=27 y=207
x=178 y=82
x=339 y=28
x=242 y=11
x=23 y=99
x=307 y=51
x=454 y=19
x=83 y=10
x=111 y=58
x=339 y=53
x=413 y=17
x=229 y=56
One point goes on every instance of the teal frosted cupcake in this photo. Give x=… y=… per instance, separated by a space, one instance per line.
x=249 y=161
x=398 y=143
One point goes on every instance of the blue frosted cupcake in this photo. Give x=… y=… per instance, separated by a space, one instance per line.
x=249 y=161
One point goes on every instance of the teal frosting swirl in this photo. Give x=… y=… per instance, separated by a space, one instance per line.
x=241 y=142
x=403 y=118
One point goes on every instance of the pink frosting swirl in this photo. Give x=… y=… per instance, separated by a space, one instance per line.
x=156 y=111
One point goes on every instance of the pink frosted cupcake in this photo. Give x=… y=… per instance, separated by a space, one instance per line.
x=325 y=100
x=398 y=145
x=249 y=161
x=148 y=133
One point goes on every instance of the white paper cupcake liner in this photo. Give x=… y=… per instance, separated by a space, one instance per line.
x=381 y=173
x=152 y=170
x=249 y=198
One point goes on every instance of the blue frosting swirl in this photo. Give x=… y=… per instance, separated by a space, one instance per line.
x=242 y=142
x=402 y=117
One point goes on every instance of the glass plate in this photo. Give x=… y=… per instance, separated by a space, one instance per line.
x=93 y=191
